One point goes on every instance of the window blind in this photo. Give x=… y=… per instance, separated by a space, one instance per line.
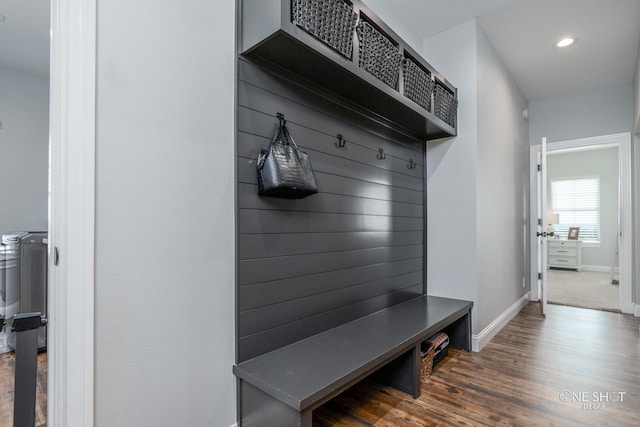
x=577 y=201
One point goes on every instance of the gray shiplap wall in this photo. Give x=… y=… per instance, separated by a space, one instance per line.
x=354 y=248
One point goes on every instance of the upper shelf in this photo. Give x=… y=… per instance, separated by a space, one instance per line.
x=268 y=34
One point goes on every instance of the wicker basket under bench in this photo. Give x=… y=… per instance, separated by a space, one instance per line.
x=283 y=387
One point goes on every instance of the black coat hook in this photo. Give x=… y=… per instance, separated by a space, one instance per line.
x=280 y=117
x=412 y=164
x=381 y=155
x=341 y=142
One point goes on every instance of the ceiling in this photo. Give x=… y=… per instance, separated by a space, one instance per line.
x=522 y=32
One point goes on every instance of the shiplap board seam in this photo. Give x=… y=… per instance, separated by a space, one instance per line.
x=337 y=308
x=334 y=136
x=344 y=287
x=326 y=267
x=343 y=176
x=333 y=154
x=328 y=252
x=242 y=324
x=326 y=271
x=245 y=71
x=334 y=290
x=255 y=186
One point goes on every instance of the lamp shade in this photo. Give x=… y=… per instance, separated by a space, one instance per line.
x=553 y=218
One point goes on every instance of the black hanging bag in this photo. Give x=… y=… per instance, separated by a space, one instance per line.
x=283 y=169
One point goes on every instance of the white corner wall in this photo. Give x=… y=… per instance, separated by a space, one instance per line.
x=502 y=187
x=452 y=171
x=478 y=184
x=165 y=239
x=24 y=151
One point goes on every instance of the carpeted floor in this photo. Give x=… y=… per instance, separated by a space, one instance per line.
x=582 y=289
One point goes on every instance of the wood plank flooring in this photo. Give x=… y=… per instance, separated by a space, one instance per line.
x=521 y=378
x=553 y=371
x=7 y=367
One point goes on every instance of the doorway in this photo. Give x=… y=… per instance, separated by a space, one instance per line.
x=582 y=189
x=601 y=247
x=24 y=193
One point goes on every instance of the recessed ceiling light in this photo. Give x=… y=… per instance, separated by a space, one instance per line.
x=567 y=41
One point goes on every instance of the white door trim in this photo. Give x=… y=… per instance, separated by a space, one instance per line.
x=72 y=213
x=626 y=218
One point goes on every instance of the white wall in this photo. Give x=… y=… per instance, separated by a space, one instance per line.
x=602 y=163
x=24 y=151
x=636 y=95
x=164 y=327
x=452 y=170
x=502 y=186
x=478 y=181
x=601 y=111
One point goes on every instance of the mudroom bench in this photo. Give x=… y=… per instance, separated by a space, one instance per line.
x=282 y=388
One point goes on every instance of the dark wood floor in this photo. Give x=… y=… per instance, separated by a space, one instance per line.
x=7 y=366
x=521 y=378
x=557 y=371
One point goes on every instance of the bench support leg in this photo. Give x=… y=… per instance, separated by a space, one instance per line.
x=403 y=373
x=460 y=332
x=261 y=410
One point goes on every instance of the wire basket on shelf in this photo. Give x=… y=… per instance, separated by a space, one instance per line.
x=426 y=359
x=331 y=21
x=418 y=85
x=445 y=104
x=378 y=55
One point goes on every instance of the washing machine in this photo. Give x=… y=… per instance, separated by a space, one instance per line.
x=26 y=276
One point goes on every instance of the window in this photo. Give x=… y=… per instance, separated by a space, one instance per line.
x=577 y=201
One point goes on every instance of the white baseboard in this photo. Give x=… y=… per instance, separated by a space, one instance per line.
x=234 y=425
x=482 y=339
x=636 y=309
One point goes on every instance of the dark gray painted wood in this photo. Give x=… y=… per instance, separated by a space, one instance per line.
x=334 y=203
x=271 y=245
x=304 y=373
x=297 y=91
x=354 y=248
x=358 y=141
x=354 y=187
x=336 y=166
x=266 y=221
x=274 y=268
x=264 y=293
x=263 y=342
x=270 y=316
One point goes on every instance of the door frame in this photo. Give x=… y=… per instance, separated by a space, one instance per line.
x=70 y=392
x=625 y=202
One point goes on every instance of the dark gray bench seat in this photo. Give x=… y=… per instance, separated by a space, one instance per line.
x=281 y=388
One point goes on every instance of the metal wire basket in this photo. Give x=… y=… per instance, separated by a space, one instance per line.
x=331 y=21
x=418 y=85
x=378 y=55
x=445 y=104
x=426 y=360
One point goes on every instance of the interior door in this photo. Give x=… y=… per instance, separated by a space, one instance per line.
x=541 y=234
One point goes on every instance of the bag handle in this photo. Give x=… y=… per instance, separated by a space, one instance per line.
x=284 y=131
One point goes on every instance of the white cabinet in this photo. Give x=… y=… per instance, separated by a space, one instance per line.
x=565 y=254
